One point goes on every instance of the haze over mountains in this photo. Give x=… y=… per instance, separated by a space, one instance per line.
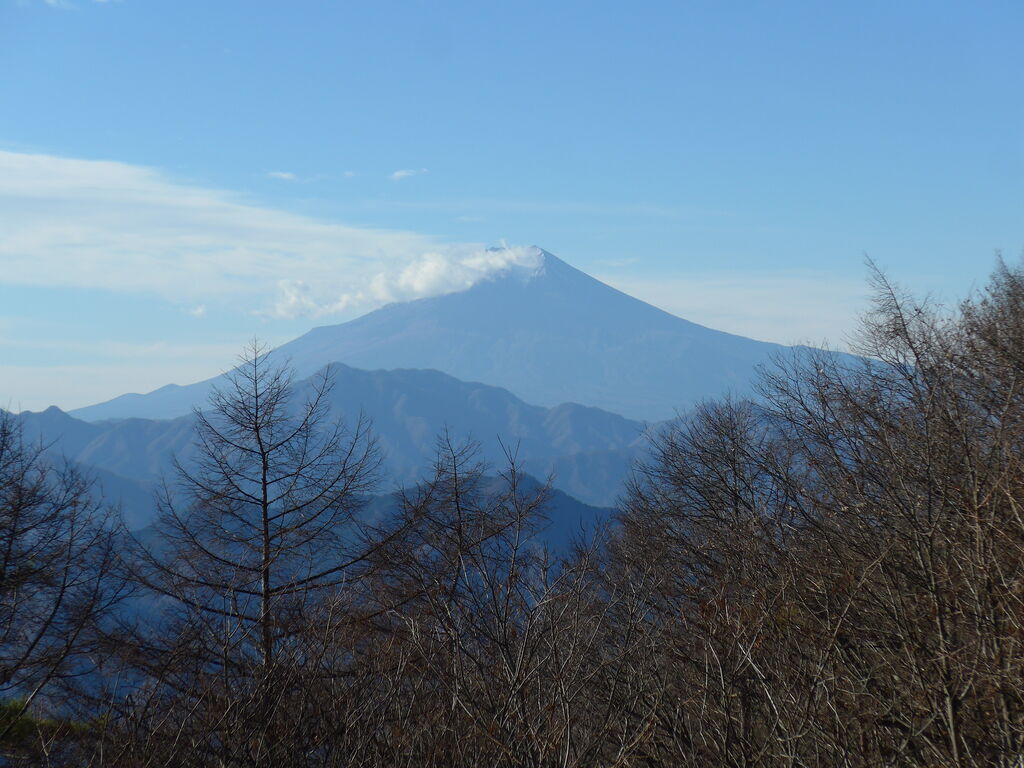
x=548 y=333
x=408 y=409
x=559 y=353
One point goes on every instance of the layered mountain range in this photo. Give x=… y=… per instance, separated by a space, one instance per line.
x=409 y=410
x=538 y=360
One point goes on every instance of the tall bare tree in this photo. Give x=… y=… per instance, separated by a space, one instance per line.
x=517 y=656
x=831 y=574
x=843 y=577
x=250 y=548
x=59 y=581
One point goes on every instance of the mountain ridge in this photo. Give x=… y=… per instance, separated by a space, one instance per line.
x=549 y=334
x=408 y=409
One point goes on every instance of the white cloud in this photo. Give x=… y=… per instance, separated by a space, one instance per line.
x=198 y=311
x=283 y=175
x=406 y=173
x=64 y=4
x=125 y=228
x=432 y=273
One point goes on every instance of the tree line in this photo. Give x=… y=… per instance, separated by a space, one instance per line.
x=830 y=573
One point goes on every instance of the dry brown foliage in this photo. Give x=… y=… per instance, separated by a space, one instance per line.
x=828 y=575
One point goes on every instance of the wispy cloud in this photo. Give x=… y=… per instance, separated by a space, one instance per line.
x=405 y=173
x=125 y=228
x=296 y=178
x=432 y=273
x=65 y=5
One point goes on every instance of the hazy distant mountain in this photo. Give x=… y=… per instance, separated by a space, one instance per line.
x=567 y=517
x=68 y=439
x=139 y=449
x=551 y=334
x=409 y=409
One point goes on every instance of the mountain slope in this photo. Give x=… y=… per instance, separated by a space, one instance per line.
x=550 y=333
x=409 y=409
x=567 y=519
x=555 y=335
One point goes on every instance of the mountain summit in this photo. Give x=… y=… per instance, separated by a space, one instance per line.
x=545 y=331
x=550 y=334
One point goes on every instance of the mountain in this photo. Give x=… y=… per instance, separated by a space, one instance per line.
x=588 y=449
x=549 y=333
x=68 y=439
x=139 y=449
x=567 y=520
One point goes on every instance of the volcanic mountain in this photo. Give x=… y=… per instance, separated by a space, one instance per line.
x=548 y=333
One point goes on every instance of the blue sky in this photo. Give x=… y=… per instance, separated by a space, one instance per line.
x=177 y=176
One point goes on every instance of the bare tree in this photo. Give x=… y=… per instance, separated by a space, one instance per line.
x=517 y=647
x=843 y=559
x=830 y=574
x=249 y=551
x=59 y=581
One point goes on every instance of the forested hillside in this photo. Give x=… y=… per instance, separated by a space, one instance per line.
x=831 y=574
